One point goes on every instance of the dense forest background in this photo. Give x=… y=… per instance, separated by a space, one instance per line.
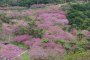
x=30 y=2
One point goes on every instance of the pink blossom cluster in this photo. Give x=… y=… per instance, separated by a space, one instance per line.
x=10 y=51
x=37 y=52
x=55 y=18
x=9 y=28
x=27 y=40
x=15 y=14
x=86 y=33
x=22 y=38
x=27 y=13
x=65 y=36
x=6 y=28
x=43 y=50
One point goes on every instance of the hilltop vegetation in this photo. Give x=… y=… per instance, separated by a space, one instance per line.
x=44 y=30
x=31 y=2
x=78 y=15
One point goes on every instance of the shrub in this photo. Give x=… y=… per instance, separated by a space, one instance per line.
x=22 y=30
x=73 y=45
x=45 y=40
x=81 y=6
x=20 y=44
x=79 y=15
x=4 y=18
x=30 y=2
x=78 y=56
x=37 y=33
x=10 y=51
x=22 y=38
x=30 y=29
x=61 y=41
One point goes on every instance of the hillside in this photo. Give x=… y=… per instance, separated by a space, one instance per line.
x=45 y=31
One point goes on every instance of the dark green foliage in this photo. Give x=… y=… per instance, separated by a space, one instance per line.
x=45 y=40
x=79 y=15
x=37 y=33
x=4 y=18
x=3 y=2
x=30 y=2
x=81 y=6
x=80 y=35
x=88 y=39
x=22 y=30
x=31 y=22
x=73 y=46
x=61 y=41
x=27 y=3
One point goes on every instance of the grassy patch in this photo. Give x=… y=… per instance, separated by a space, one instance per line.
x=26 y=56
x=19 y=44
x=78 y=56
